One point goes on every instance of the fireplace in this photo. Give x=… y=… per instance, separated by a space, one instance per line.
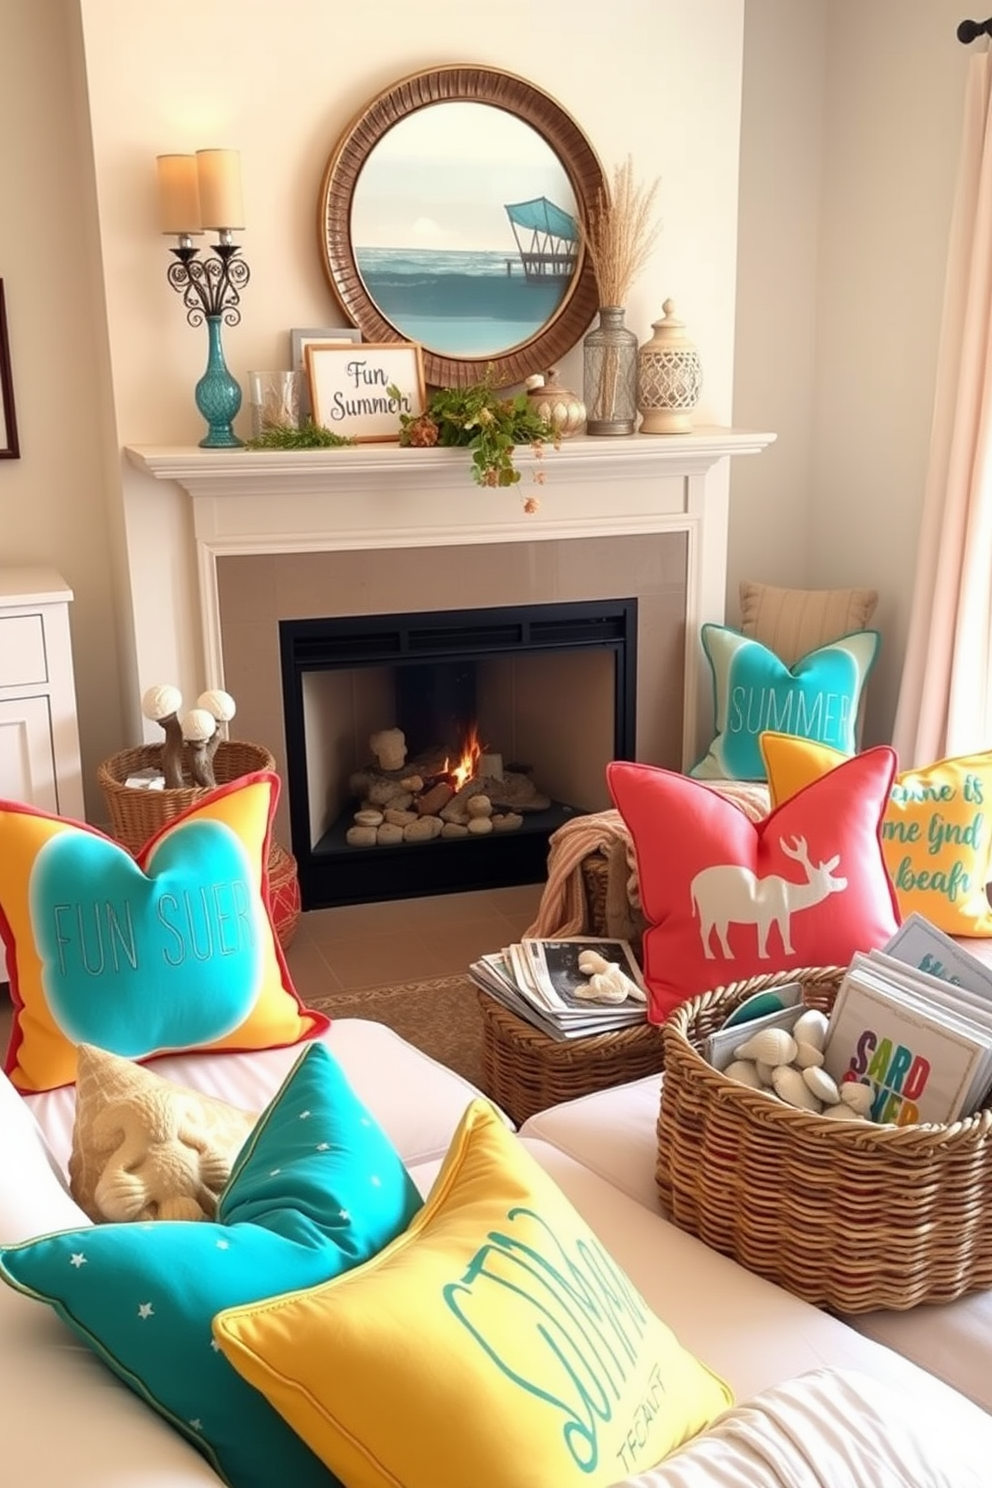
x=546 y=693
x=379 y=530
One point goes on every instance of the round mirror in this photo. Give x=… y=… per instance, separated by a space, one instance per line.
x=450 y=216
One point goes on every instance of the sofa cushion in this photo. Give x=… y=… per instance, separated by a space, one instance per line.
x=494 y=1343
x=726 y=898
x=936 y=831
x=792 y=622
x=753 y=690
x=317 y=1188
x=172 y=950
x=831 y=1426
x=146 y=1148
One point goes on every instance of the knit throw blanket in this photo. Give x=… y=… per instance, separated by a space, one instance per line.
x=562 y=910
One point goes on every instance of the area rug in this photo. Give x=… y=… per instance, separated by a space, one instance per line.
x=440 y=1017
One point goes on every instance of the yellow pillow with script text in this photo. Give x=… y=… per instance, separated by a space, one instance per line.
x=936 y=831
x=494 y=1344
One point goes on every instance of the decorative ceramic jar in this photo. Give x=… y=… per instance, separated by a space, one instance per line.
x=669 y=377
x=609 y=375
x=563 y=410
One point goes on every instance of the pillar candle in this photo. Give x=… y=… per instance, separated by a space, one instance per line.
x=178 y=194
x=219 y=173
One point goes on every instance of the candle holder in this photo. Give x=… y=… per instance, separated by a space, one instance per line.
x=210 y=290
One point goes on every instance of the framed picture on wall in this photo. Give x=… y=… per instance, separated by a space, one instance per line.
x=360 y=391
x=9 y=448
x=301 y=337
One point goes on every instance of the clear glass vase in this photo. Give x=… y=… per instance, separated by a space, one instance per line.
x=609 y=375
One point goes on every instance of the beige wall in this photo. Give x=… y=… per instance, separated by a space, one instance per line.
x=57 y=504
x=850 y=130
x=845 y=155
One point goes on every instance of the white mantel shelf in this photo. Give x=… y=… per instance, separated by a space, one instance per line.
x=240 y=472
x=378 y=496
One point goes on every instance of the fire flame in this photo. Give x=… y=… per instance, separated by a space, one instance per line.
x=465 y=769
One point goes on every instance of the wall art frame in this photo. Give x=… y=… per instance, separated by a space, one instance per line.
x=9 y=446
x=352 y=388
x=347 y=178
x=300 y=338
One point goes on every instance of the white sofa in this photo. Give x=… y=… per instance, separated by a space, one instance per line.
x=613 y=1133
x=869 y=1415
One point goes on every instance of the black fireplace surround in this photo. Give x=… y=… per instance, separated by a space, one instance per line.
x=433 y=657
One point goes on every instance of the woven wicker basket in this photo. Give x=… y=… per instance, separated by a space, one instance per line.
x=848 y=1215
x=136 y=814
x=525 y=1071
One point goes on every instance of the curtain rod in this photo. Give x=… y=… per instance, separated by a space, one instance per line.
x=969 y=31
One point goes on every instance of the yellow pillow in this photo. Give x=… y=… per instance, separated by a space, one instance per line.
x=493 y=1343
x=935 y=832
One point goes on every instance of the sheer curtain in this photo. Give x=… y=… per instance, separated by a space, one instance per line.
x=945 y=699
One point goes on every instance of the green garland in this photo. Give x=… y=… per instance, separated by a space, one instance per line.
x=308 y=436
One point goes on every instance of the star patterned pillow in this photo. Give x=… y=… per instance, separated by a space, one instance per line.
x=316 y=1189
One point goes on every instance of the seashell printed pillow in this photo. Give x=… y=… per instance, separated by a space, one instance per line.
x=726 y=898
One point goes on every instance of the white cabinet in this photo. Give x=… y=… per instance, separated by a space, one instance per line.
x=39 y=736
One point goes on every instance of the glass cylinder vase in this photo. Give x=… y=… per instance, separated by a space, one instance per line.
x=609 y=374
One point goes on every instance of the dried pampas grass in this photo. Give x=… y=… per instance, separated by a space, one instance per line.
x=620 y=233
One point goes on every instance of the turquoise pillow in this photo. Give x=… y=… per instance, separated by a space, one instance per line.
x=316 y=1189
x=753 y=690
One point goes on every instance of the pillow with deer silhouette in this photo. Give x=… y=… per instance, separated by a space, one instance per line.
x=726 y=898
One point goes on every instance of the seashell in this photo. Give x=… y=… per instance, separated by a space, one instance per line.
x=808 y=1056
x=602 y=988
x=590 y=962
x=792 y=1087
x=823 y=1086
x=811 y=1028
x=856 y=1095
x=765 y=1072
x=841 y=1112
x=768 y=1046
x=744 y=1072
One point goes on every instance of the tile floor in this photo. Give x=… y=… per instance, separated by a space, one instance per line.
x=408 y=940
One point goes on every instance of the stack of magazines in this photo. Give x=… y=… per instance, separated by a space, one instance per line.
x=542 y=982
x=914 y=1022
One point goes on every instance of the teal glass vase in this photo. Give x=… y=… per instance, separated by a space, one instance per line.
x=218 y=394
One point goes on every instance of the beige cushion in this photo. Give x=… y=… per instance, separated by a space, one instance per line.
x=793 y=622
x=144 y=1148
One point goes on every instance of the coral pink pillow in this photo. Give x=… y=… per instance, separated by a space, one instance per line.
x=727 y=899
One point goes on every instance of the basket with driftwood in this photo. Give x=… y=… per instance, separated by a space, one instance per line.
x=190 y=768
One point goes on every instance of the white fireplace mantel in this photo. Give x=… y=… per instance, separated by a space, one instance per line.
x=377 y=496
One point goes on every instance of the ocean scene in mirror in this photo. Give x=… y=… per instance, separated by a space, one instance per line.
x=463 y=227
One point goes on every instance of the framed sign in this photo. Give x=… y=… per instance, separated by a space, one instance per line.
x=9 y=448
x=360 y=391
